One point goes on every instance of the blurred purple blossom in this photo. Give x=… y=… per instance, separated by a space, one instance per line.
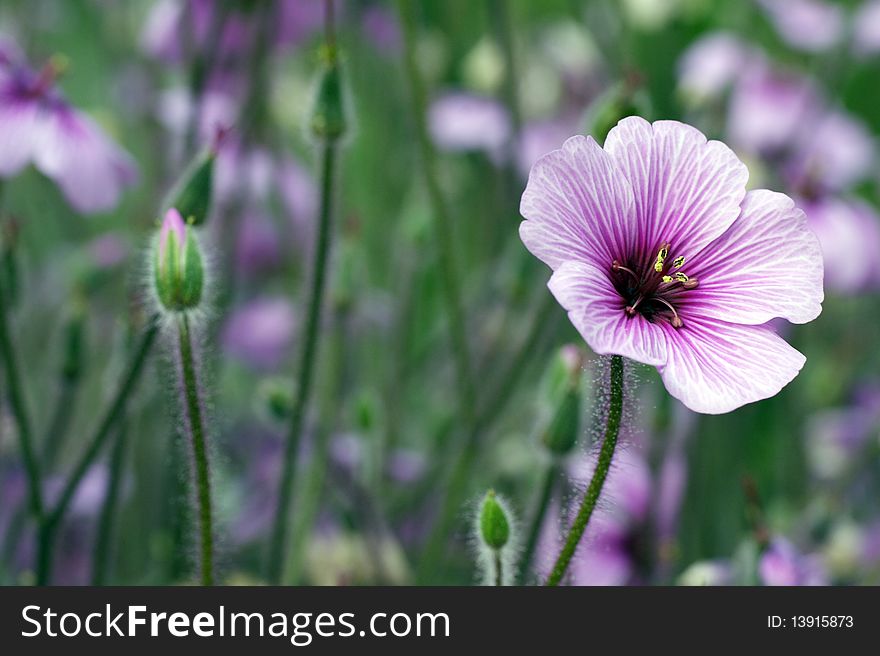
x=768 y=108
x=832 y=153
x=782 y=564
x=811 y=25
x=261 y=332
x=173 y=26
x=39 y=127
x=836 y=436
x=462 y=122
x=866 y=29
x=540 y=137
x=108 y=250
x=712 y=64
x=381 y=28
x=849 y=234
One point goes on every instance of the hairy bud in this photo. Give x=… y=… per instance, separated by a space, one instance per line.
x=178 y=268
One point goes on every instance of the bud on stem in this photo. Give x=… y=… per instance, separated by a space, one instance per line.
x=494 y=529
x=177 y=267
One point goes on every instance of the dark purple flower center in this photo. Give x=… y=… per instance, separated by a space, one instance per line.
x=652 y=289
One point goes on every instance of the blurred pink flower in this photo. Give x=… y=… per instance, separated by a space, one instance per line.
x=462 y=122
x=712 y=64
x=811 y=25
x=38 y=126
x=832 y=153
x=768 y=108
x=866 y=29
x=261 y=332
x=848 y=230
x=620 y=226
x=782 y=564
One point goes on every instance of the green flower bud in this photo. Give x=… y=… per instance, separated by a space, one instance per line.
x=494 y=526
x=328 y=113
x=191 y=196
x=562 y=433
x=178 y=268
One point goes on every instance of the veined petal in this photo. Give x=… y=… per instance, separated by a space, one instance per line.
x=767 y=265
x=597 y=311
x=90 y=169
x=20 y=129
x=687 y=190
x=578 y=206
x=715 y=367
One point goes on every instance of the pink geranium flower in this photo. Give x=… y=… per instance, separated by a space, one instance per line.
x=660 y=255
x=38 y=126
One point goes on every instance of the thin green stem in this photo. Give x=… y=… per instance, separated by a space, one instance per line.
x=467 y=454
x=49 y=527
x=277 y=548
x=60 y=422
x=198 y=441
x=537 y=518
x=603 y=464
x=442 y=221
x=104 y=534
x=19 y=409
x=499 y=572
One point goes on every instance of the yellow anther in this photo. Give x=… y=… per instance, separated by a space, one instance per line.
x=661 y=257
x=678 y=262
x=667 y=278
x=681 y=277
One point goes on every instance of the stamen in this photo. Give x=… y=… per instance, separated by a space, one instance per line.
x=661 y=258
x=678 y=262
x=676 y=320
x=690 y=283
x=617 y=266
x=667 y=278
x=681 y=277
x=631 y=309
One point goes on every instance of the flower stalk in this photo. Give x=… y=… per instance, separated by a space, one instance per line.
x=594 y=490
x=198 y=442
x=328 y=125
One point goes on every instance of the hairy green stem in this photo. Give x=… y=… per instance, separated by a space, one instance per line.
x=104 y=533
x=277 y=548
x=499 y=573
x=537 y=518
x=198 y=441
x=603 y=464
x=49 y=526
x=15 y=391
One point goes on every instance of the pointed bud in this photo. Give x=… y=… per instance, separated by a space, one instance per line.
x=191 y=196
x=178 y=267
x=562 y=433
x=328 y=114
x=494 y=525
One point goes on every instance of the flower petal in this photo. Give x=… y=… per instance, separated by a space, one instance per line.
x=597 y=311
x=20 y=128
x=768 y=265
x=90 y=169
x=687 y=189
x=715 y=367
x=578 y=206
